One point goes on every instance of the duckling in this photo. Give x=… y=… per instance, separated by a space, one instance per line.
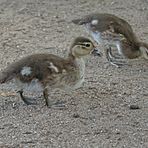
x=112 y=31
x=48 y=71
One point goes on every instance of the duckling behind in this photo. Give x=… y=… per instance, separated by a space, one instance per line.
x=112 y=31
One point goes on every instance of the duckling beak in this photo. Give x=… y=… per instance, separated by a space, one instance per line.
x=96 y=52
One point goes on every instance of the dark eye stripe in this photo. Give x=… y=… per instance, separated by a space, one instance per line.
x=86 y=45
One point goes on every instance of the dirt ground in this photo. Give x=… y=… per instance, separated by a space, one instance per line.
x=96 y=115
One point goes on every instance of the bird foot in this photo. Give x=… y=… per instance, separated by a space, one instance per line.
x=116 y=63
x=26 y=100
x=57 y=104
x=118 y=57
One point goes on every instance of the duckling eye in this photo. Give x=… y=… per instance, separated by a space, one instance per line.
x=87 y=45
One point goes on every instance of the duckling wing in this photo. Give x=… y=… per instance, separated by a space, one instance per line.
x=36 y=66
x=103 y=22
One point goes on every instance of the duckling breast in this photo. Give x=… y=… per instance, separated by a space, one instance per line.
x=71 y=77
x=68 y=80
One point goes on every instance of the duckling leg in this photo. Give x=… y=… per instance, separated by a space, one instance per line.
x=27 y=100
x=111 y=58
x=45 y=95
x=116 y=56
x=49 y=103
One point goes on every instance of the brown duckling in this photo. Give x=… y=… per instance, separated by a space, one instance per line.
x=112 y=31
x=45 y=72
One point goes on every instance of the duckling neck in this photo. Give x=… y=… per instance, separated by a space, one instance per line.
x=81 y=65
x=79 y=71
x=79 y=62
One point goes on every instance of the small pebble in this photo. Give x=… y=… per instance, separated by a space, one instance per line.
x=134 y=107
x=75 y=115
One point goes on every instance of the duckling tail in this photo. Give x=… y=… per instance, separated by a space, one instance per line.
x=3 y=77
x=78 y=21
x=144 y=49
x=6 y=75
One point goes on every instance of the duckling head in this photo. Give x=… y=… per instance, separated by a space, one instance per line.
x=82 y=47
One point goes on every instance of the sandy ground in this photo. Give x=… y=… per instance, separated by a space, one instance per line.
x=98 y=114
